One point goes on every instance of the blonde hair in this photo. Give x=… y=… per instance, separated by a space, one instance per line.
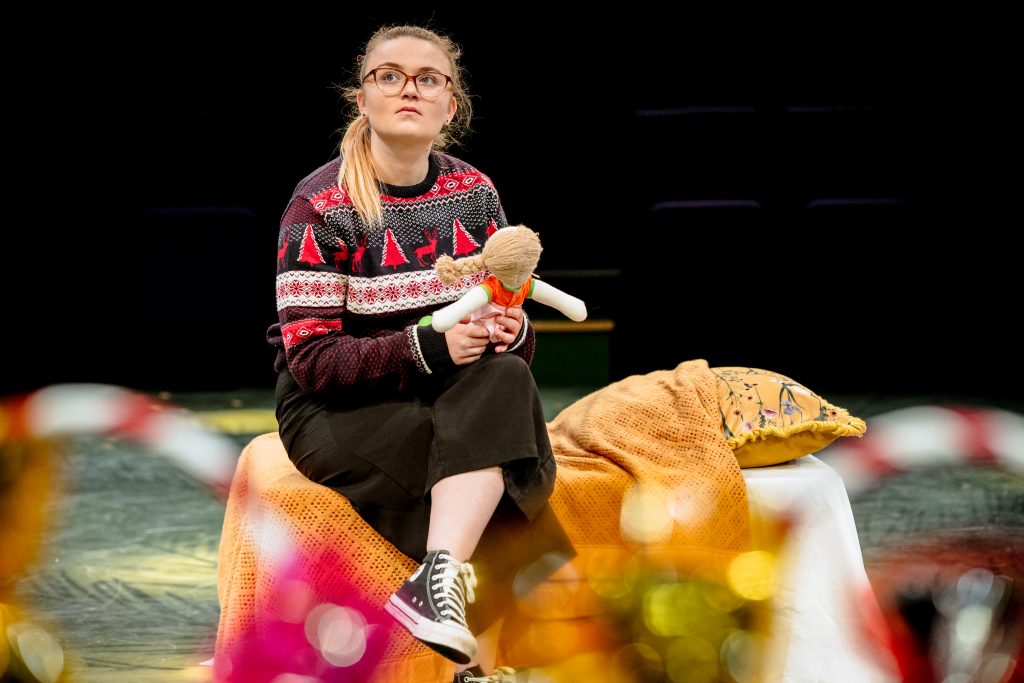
x=357 y=172
x=511 y=254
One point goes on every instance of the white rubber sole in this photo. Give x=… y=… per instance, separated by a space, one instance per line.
x=450 y=641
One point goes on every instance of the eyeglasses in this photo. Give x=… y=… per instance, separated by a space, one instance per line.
x=429 y=84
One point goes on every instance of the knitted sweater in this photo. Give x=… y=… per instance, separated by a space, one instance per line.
x=349 y=301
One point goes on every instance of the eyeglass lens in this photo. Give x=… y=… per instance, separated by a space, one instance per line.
x=392 y=81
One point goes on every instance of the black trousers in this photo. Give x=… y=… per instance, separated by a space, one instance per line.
x=385 y=452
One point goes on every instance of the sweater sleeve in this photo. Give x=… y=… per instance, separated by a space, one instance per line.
x=312 y=286
x=525 y=342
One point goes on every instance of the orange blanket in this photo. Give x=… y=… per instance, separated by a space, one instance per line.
x=659 y=430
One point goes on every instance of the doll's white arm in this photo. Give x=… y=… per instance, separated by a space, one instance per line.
x=570 y=306
x=447 y=317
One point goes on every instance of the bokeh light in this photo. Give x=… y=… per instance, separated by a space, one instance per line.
x=721 y=598
x=341 y=635
x=752 y=575
x=742 y=655
x=646 y=515
x=674 y=609
x=692 y=659
x=39 y=653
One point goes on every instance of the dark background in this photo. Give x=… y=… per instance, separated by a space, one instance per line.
x=763 y=191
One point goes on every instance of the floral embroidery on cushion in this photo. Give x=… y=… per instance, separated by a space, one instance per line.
x=769 y=418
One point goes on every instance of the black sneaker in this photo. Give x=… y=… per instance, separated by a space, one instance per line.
x=467 y=676
x=503 y=674
x=431 y=604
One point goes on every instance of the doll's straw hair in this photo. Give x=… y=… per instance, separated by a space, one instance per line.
x=511 y=254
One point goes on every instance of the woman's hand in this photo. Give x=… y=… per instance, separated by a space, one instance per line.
x=466 y=341
x=508 y=327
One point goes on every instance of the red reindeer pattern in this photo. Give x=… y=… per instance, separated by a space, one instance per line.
x=341 y=254
x=428 y=249
x=357 y=257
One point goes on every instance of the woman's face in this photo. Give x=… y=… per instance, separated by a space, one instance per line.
x=387 y=118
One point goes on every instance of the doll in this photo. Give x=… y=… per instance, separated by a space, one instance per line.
x=510 y=254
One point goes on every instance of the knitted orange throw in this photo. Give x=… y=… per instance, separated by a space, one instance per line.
x=660 y=430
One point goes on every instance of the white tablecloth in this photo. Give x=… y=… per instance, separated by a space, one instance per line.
x=824 y=575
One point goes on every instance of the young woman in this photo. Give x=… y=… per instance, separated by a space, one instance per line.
x=437 y=439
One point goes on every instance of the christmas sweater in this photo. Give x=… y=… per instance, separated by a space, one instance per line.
x=349 y=300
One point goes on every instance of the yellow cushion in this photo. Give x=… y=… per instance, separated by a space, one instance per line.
x=769 y=418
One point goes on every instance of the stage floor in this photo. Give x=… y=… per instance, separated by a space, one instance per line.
x=127 y=581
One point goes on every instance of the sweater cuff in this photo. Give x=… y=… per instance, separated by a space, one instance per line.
x=518 y=341
x=430 y=349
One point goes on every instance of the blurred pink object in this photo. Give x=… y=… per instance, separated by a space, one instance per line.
x=315 y=628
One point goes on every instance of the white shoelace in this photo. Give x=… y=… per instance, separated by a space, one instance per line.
x=448 y=591
x=500 y=675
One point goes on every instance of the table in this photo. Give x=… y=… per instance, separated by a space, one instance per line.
x=824 y=581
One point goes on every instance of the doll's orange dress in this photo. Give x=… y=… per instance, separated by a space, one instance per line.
x=501 y=299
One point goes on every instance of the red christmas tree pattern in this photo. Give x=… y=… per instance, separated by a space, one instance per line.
x=491 y=228
x=464 y=243
x=310 y=249
x=393 y=255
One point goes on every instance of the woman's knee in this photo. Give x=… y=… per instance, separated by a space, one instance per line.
x=501 y=376
x=506 y=364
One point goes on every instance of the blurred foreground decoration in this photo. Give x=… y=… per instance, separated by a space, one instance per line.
x=318 y=627
x=34 y=428
x=919 y=437
x=953 y=597
x=646 y=612
x=28 y=651
x=652 y=612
